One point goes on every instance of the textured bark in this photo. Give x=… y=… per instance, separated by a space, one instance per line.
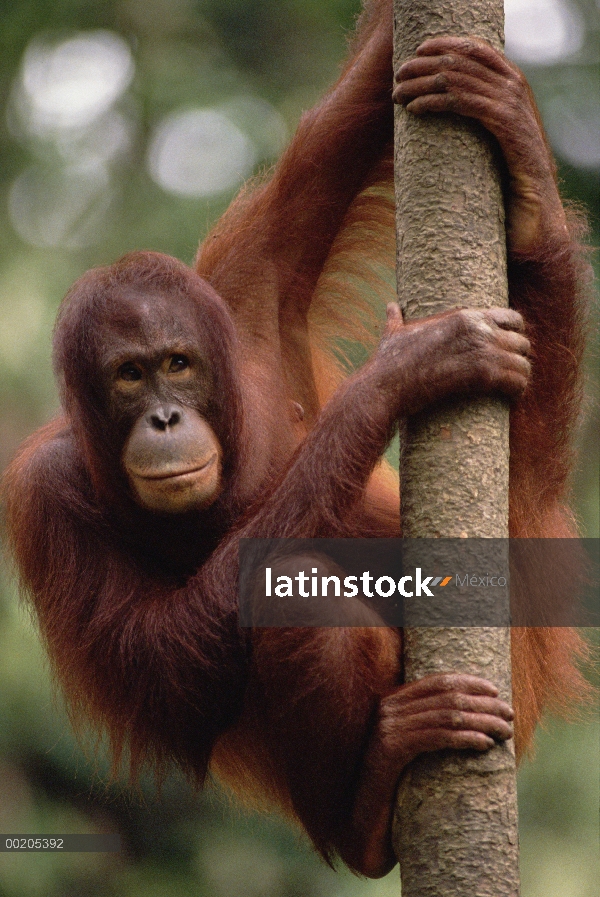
x=455 y=827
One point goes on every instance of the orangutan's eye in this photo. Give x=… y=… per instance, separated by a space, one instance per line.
x=130 y=372
x=178 y=363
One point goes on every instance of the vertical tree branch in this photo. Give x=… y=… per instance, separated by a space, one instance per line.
x=455 y=830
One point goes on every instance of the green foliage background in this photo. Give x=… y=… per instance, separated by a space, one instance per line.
x=203 y=53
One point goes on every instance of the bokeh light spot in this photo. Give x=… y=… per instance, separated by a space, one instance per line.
x=542 y=32
x=71 y=83
x=200 y=152
x=61 y=208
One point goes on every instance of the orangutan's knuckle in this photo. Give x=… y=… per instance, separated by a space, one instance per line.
x=465 y=320
x=447 y=681
x=474 y=317
x=457 y=700
x=457 y=719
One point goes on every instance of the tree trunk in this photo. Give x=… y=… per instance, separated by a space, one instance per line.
x=455 y=826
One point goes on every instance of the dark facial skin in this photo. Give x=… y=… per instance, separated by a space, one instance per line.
x=159 y=387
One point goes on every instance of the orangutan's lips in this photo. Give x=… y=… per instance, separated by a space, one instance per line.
x=179 y=473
